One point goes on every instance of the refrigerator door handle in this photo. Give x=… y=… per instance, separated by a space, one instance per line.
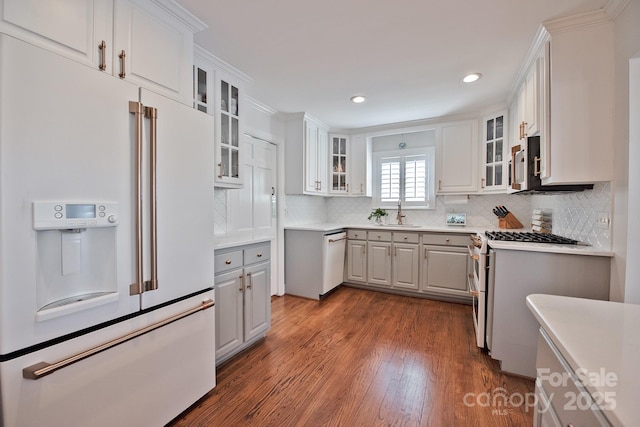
x=137 y=109
x=41 y=369
x=152 y=114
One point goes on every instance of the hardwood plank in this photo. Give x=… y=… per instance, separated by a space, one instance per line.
x=364 y=358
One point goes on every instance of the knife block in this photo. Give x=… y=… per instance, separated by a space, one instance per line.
x=509 y=221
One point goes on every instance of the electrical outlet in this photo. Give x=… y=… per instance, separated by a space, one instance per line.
x=603 y=221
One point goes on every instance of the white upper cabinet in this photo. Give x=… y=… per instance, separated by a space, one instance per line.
x=75 y=29
x=457 y=158
x=339 y=167
x=579 y=148
x=154 y=48
x=229 y=105
x=495 y=153
x=147 y=43
x=357 y=164
x=306 y=155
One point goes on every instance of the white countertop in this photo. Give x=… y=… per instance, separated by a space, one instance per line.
x=599 y=337
x=324 y=227
x=227 y=241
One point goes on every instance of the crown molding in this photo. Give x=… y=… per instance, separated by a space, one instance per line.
x=220 y=64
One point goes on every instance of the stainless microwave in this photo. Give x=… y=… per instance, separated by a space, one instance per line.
x=524 y=173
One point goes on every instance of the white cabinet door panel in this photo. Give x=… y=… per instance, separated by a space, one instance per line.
x=257 y=300
x=229 y=316
x=379 y=263
x=357 y=261
x=405 y=270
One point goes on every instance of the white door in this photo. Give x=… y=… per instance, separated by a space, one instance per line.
x=251 y=208
x=68 y=141
x=184 y=200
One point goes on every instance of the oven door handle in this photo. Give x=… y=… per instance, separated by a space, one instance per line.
x=472 y=253
x=473 y=289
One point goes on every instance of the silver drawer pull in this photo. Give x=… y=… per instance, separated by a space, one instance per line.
x=228 y=262
x=259 y=255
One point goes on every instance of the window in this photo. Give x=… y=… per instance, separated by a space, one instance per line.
x=406 y=175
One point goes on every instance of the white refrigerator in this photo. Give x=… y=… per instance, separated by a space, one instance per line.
x=106 y=247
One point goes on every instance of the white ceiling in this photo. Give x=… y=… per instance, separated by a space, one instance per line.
x=406 y=56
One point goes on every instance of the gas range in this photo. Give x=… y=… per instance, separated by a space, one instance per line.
x=528 y=237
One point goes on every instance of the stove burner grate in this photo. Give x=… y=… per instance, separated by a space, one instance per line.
x=528 y=237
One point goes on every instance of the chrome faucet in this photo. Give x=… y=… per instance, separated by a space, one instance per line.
x=400 y=216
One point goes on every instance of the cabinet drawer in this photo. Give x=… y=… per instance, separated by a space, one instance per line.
x=379 y=236
x=227 y=261
x=356 y=234
x=257 y=254
x=446 y=239
x=399 y=236
x=569 y=398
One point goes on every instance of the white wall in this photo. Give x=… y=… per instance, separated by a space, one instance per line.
x=626 y=208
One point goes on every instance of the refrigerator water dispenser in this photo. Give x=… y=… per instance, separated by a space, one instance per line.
x=76 y=256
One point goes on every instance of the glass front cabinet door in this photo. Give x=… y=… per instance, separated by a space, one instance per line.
x=495 y=169
x=338 y=164
x=228 y=133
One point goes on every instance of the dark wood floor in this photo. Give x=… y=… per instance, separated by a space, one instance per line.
x=363 y=358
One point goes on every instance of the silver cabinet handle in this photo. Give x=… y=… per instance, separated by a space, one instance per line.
x=259 y=255
x=41 y=369
x=228 y=262
x=250 y=277
x=241 y=277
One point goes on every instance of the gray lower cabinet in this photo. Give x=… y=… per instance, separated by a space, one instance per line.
x=243 y=298
x=445 y=270
x=427 y=263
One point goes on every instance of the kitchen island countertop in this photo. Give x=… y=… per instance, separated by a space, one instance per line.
x=600 y=337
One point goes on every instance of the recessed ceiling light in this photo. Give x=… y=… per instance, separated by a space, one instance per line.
x=470 y=78
x=357 y=99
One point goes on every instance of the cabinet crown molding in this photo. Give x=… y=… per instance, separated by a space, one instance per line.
x=177 y=12
x=219 y=64
x=578 y=21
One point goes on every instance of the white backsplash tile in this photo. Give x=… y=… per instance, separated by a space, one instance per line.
x=478 y=209
x=305 y=210
x=219 y=211
x=575 y=214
